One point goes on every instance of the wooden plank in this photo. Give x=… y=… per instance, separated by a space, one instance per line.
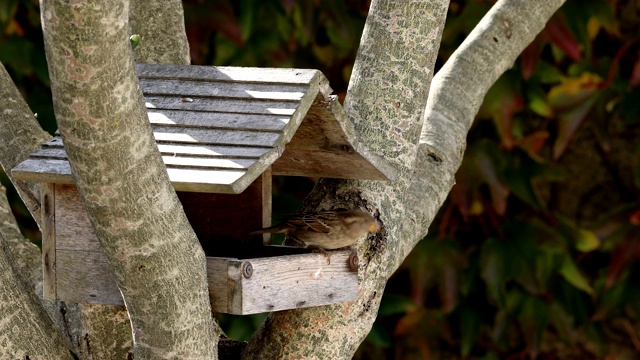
x=49 y=261
x=47 y=170
x=294 y=281
x=169 y=160
x=86 y=277
x=222 y=89
x=326 y=145
x=231 y=152
x=267 y=196
x=217 y=273
x=221 y=105
x=218 y=120
x=218 y=137
x=228 y=73
x=208 y=163
x=330 y=164
x=73 y=228
x=174 y=149
x=210 y=180
x=195 y=178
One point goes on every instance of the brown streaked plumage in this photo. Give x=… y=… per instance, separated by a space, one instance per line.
x=326 y=230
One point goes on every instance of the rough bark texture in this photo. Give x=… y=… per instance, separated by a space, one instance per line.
x=25 y=329
x=385 y=101
x=20 y=129
x=21 y=135
x=457 y=92
x=158 y=262
x=160 y=23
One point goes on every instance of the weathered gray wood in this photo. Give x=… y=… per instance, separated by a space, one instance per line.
x=288 y=282
x=329 y=148
x=266 y=200
x=48 y=200
x=232 y=73
x=210 y=118
x=86 y=277
x=229 y=152
x=217 y=273
x=215 y=136
x=72 y=226
x=277 y=283
x=44 y=171
x=222 y=105
x=184 y=161
x=222 y=120
x=247 y=91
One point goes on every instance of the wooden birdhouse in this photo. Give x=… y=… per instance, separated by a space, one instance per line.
x=222 y=132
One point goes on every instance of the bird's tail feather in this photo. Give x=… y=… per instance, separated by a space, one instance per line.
x=272 y=229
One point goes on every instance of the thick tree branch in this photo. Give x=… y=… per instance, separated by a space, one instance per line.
x=20 y=135
x=158 y=262
x=457 y=92
x=160 y=23
x=25 y=257
x=25 y=329
x=386 y=98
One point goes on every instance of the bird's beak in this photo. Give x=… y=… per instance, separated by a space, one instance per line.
x=375 y=226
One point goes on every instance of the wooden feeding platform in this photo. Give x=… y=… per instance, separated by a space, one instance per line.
x=222 y=132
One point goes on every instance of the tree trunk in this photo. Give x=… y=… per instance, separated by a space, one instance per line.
x=158 y=263
x=387 y=117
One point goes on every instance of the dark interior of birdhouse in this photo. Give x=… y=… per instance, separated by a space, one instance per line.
x=222 y=221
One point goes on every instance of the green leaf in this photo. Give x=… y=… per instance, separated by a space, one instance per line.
x=379 y=336
x=7 y=10
x=470 y=323
x=395 y=304
x=572 y=274
x=134 y=40
x=583 y=239
x=533 y=318
x=547 y=74
x=568 y=123
x=574 y=91
x=537 y=101
x=493 y=269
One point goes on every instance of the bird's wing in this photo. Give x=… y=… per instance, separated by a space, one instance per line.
x=312 y=222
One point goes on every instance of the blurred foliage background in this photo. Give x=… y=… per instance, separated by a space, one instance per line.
x=535 y=253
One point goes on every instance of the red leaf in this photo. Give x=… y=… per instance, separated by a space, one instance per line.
x=568 y=124
x=634 y=218
x=532 y=143
x=530 y=57
x=561 y=36
x=634 y=80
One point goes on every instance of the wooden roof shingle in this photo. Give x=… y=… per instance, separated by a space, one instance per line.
x=219 y=128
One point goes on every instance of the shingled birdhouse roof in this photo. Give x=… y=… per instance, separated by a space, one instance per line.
x=219 y=128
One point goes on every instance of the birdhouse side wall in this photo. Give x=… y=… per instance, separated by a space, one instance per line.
x=76 y=268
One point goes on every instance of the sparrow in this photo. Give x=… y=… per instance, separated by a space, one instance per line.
x=326 y=230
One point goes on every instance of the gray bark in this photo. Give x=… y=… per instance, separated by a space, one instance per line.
x=457 y=92
x=160 y=23
x=385 y=102
x=157 y=260
x=25 y=329
x=21 y=135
